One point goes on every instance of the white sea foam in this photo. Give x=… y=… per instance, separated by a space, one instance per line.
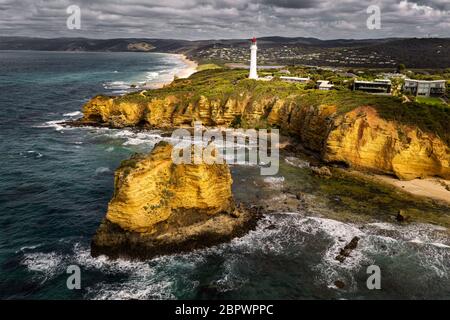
x=297 y=162
x=142 y=282
x=440 y=245
x=72 y=114
x=27 y=248
x=119 y=92
x=146 y=139
x=56 y=124
x=152 y=75
x=274 y=182
x=230 y=279
x=285 y=233
x=383 y=225
x=132 y=290
x=117 y=85
x=102 y=170
x=45 y=264
x=143 y=138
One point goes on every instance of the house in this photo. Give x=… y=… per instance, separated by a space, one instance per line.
x=295 y=79
x=377 y=86
x=435 y=88
x=324 y=85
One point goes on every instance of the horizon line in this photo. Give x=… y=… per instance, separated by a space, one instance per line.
x=224 y=39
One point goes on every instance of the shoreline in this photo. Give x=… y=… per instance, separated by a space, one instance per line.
x=189 y=69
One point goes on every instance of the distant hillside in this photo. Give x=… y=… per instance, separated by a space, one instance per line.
x=415 y=53
x=83 y=44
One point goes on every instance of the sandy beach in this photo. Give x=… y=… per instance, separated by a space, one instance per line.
x=190 y=68
x=433 y=188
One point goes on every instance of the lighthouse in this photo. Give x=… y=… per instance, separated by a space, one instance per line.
x=253 y=65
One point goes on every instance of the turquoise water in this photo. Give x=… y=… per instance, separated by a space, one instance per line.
x=56 y=182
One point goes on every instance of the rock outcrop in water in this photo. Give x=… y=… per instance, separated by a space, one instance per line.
x=160 y=207
x=358 y=138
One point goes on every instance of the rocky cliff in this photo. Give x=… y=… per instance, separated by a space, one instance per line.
x=359 y=137
x=159 y=207
x=362 y=139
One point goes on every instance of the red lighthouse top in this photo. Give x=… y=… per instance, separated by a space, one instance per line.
x=254 y=40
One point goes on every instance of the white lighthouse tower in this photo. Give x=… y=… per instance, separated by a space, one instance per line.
x=253 y=63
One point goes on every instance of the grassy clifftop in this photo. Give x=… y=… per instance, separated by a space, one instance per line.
x=223 y=85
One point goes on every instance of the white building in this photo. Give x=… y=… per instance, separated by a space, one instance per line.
x=377 y=86
x=425 y=88
x=295 y=79
x=253 y=62
x=324 y=85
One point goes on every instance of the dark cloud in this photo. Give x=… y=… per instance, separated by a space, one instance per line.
x=294 y=4
x=202 y=19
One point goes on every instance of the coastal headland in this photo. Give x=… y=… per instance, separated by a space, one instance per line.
x=380 y=135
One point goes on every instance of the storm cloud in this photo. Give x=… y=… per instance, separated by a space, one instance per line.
x=213 y=19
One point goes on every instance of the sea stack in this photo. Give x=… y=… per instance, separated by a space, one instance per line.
x=159 y=207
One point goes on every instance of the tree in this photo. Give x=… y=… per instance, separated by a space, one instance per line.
x=401 y=68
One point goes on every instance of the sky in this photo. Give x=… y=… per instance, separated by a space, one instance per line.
x=220 y=19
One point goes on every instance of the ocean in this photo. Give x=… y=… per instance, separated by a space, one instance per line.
x=55 y=184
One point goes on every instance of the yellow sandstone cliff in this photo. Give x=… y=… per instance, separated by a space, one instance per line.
x=359 y=138
x=151 y=189
x=159 y=207
x=362 y=139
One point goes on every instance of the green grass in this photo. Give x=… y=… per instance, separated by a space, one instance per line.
x=208 y=66
x=431 y=101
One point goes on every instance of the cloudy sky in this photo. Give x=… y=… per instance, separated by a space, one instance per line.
x=214 y=19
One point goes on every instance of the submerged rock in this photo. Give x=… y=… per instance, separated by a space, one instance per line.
x=339 y=284
x=345 y=252
x=160 y=207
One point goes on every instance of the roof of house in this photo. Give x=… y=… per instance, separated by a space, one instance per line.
x=425 y=81
x=295 y=78
x=374 y=82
